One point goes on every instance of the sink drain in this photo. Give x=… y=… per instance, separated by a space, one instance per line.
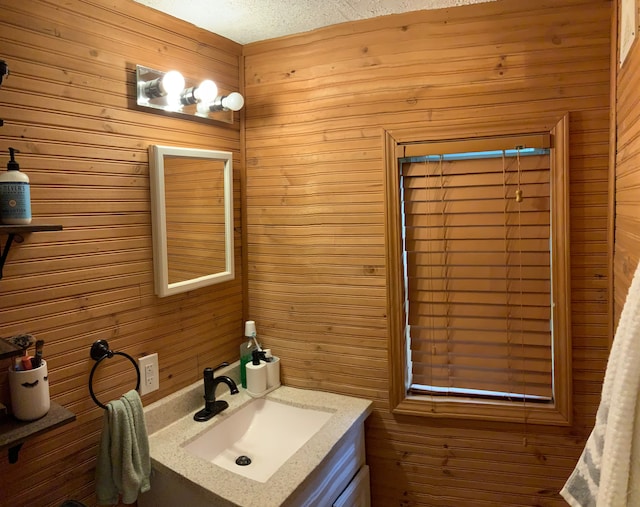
x=243 y=461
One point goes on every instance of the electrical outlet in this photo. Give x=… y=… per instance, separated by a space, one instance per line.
x=149 y=374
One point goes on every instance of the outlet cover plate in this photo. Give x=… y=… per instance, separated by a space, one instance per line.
x=149 y=374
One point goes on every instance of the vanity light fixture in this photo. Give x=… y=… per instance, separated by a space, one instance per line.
x=172 y=93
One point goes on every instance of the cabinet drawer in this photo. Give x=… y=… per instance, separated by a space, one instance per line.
x=358 y=492
x=327 y=482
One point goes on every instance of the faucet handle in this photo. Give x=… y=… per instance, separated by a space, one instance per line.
x=221 y=365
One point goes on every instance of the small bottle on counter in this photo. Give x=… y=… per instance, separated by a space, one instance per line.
x=273 y=370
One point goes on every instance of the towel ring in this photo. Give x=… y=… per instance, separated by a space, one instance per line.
x=99 y=352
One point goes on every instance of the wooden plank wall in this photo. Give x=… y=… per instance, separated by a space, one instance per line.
x=67 y=106
x=316 y=107
x=627 y=176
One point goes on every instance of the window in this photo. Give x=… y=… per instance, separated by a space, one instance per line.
x=478 y=264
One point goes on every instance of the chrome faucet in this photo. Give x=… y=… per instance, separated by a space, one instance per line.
x=211 y=405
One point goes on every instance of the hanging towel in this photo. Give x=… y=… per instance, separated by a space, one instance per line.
x=608 y=470
x=124 y=465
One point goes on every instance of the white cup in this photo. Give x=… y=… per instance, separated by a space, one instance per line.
x=250 y=328
x=29 y=392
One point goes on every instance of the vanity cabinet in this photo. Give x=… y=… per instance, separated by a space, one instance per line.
x=342 y=478
x=329 y=469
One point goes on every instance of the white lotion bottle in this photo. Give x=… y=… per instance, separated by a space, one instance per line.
x=256 y=376
x=273 y=370
x=15 y=194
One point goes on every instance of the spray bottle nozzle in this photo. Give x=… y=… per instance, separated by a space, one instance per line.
x=255 y=340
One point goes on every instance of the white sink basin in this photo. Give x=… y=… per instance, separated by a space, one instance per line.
x=265 y=431
x=184 y=478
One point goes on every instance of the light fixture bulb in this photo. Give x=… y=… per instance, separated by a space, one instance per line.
x=172 y=83
x=203 y=109
x=234 y=101
x=206 y=92
x=173 y=103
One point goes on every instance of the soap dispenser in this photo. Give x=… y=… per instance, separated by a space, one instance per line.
x=257 y=374
x=15 y=194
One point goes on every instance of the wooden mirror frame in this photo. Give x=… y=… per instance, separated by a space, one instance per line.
x=401 y=143
x=157 y=154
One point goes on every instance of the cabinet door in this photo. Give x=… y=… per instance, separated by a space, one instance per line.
x=357 y=493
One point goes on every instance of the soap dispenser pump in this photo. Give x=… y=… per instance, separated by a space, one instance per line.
x=15 y=194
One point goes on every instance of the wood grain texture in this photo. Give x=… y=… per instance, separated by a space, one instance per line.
x=318 y=105
x=313 y=149
x=627 y=176
x=68 y=108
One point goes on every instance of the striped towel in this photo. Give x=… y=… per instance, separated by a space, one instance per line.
x=608 y=471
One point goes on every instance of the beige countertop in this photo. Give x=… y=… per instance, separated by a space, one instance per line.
x=170 y=425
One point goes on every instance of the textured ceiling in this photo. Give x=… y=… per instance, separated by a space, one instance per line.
x=247 y=21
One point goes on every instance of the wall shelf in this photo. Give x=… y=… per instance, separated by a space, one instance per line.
x=13 y=433
x=8 y=349
x=15 y=232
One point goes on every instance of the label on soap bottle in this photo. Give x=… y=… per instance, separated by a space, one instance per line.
x=15 y=200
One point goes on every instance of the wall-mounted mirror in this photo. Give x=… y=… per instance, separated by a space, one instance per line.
x=192 y=218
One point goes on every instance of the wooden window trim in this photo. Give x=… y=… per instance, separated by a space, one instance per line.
x=557 y=412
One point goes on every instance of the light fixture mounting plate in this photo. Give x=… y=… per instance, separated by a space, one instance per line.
x=161 y=105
